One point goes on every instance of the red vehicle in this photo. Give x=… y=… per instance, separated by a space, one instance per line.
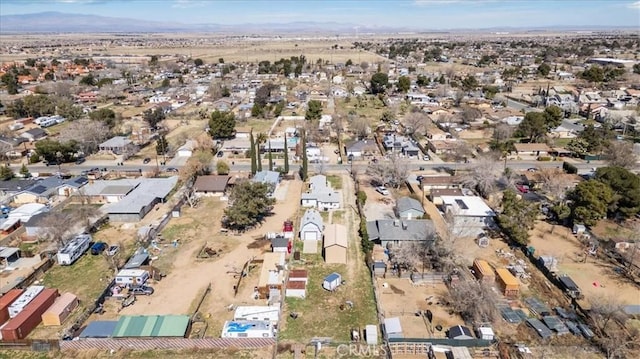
x=523 y=188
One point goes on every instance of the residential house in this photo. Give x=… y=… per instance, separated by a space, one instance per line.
x=186 y=150
x=271 y=178
x=243 y=132
x=470 y=214
x=44 y=190
x=532 y=149
x=211 y=185
x=335 y=244
x=390 y=232
x=435 y=195
x=15 y=146
x=34 y=134
x=567 y=129
x=238 y=145
x=25 y=212
x=11 y=187
x=311 y=225
x=361 y=148
x=440 y=147
x=117 y=145
x=320 y=194
x=409 y=208
x=280 y=243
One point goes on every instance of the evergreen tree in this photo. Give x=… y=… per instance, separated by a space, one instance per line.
x=305 y=166
x=270 y=158
x=252 y=153
x=258 y=159
x=24 y=171
x=286 y=155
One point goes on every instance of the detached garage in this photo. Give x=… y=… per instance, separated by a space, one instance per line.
x=60 y=310
x=311 y=226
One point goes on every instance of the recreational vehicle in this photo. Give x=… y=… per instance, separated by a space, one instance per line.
x=74 y=249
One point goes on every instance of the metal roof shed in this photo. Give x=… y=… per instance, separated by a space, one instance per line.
x=540 y=328
x=151 y=326
x=99 y=329
x=393 y=327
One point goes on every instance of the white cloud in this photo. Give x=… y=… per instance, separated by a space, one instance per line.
x=634 y=5
x=185 y=4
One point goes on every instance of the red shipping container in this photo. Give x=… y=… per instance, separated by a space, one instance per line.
x=5 y=302
x=20 y=326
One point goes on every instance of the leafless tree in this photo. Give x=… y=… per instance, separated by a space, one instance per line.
x=554 y=182
x=215 y=90
x=450 y=72
x=5 y=148
x=474 y=300
x=462 y=151
x=416 y=122
x=470 y=114
x=64 y=88
x=87 y=215
x=110 y=91
x=113 y=261
x=457 y=97
x=392 y=172
x=502 y=132
x=204 y=142
x=483 y=175
x=55 y=226
x=130 y=151
x=360 y=127
x=603 y=309
x=620 y=153
x=89 y=134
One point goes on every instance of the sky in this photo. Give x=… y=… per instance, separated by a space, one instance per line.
x=414 y=14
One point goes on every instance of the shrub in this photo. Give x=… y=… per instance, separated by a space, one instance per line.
x=544 y=158
x=569 y=168
x=362 y=197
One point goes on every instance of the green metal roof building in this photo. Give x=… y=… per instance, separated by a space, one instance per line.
x=151 y=326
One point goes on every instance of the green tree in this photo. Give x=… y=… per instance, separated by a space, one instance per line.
x=88 y=80
x=54 y=151
x=304 y=169
x=198 y=62
x=379 y=83
x=537 y=124
x=596 y=138
x=544 y=69
x=222 y=124
x=625 y=186
x=24 y=171
x=222 y=168
x=249 y=203
x=67 y=109
x=104 y=81
x=221 y=60
x=252 y=153
x=153 y=61
x=165 y=83
x=154 y=116
x=286 y=155
x=404 y=84
x=11 y=83
x=589 y=202
x=578 y=146
x=593 y=74
x=6 y=173
x=422 y=81
x=517 y=217
x=162 y=146
x=277 y=111
x=39 y=105
x=104 y=115
x=348 y=63
x=30 y=62
x=636 y=69
x=314 y=111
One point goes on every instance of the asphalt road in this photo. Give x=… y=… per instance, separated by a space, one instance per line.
x=335 y=168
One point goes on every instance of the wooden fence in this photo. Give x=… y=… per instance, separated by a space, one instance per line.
x=39 y=345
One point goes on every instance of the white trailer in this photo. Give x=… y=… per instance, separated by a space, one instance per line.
x=16 y=126
x=132 y=277
x=371 y=334
x=74 y=249
x=29 y=294
x=48 y=122
x=269 y=313
x=248 y=329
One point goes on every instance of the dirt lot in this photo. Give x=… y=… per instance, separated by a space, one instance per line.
x=400 y=298
x=595 y=277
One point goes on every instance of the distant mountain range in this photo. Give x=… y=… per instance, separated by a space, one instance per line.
x=57 y=22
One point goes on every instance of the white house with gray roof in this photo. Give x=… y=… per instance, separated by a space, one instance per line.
x=470 y=214
x=409 y=208
x=311 y=225
x=390 y=232
x=321 y=195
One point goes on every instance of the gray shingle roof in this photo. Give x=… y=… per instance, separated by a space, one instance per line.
x=312 y=216
x=407 y=203
x=400 y=230
x=147 y=191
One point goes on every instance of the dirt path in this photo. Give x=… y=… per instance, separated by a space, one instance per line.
x=176 y=293
x=354 y=259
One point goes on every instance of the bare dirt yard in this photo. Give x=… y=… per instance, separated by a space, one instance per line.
x=595 y=277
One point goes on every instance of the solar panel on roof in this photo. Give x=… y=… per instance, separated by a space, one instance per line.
x=38 y=189
x=461 y=204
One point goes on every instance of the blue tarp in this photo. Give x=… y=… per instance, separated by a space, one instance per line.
x=99 y=329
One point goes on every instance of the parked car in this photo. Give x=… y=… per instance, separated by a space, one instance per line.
x=220 y=154
x=112 y=250
x=532 y=169
x=426 y=158
x=80 y=160
x=98 y=248
x=382 y=190
x=171 y=169
x=141 y=290
x=523 y=188
x=146 y=160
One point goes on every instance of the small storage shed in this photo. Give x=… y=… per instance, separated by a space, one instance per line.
x=6 y=300
x=296 y=289
x=483 y=271
x=393 y=328
x=60 y=310
x=570 y=286
x=335 y=244
x=508 y=283
x=379 y=268
x=485 y=333
x=578 y=229
x=296 y=275
x=371 y=334
x=459 y=332
x=332 y=281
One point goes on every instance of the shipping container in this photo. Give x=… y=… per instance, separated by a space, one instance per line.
x=19 y=304
x=60 y=310
x=6 y=300
x=29 y=318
